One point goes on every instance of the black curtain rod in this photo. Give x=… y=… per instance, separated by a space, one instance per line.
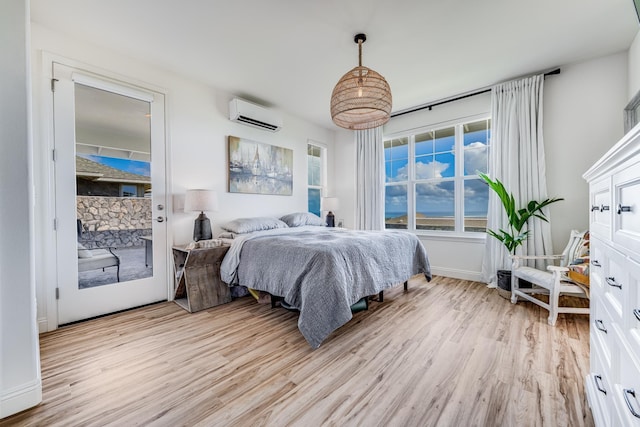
x=458 y=98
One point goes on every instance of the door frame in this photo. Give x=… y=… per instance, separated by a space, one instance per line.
x=44 y=177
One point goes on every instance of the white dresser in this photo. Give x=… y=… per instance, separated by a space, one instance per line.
x=613 y=385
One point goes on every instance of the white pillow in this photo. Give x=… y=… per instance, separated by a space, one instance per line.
x=84 y=252
x=298 y=219
x=248 y=225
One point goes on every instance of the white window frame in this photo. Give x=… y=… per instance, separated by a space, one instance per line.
x=458 y=233
x=323 y=170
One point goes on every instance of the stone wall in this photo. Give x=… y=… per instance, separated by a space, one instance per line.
x=113 y=221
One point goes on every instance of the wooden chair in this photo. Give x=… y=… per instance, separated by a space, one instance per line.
x=553 y=282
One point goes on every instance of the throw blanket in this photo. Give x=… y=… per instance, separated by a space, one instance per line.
x=323 y=271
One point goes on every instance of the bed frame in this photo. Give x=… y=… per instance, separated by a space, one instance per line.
x=276 y=299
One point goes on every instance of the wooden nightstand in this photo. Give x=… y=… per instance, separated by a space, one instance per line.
x=197 y=278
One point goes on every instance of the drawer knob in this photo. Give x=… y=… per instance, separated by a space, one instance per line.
x=636 y=312
x=604 y=208
x=611 y=281
x=598 y=381
x=623 y=209
x=595 y=208
x=596 y=263
x=600 y=326
x=631 y=392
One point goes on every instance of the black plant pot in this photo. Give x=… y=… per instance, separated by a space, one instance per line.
x=504 y=281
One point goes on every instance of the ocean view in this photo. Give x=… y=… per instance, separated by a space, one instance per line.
x=473 y=222
x=389 y=215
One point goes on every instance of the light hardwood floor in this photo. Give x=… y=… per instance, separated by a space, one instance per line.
x=449 y=352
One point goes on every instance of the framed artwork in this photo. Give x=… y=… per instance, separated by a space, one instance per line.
x=258 y=168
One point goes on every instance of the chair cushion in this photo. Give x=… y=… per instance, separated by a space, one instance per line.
x=83 y=252
x=101 y=258
x=535 y=276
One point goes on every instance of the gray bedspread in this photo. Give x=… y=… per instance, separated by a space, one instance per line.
x=323 y=271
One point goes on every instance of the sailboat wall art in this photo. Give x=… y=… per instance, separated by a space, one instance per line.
x=258 y=168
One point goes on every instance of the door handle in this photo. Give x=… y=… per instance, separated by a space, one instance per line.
x=598 y=381
x=600 y=326
x=160 y=219
x=623 y=209
x=611 y=281
x=630 y=392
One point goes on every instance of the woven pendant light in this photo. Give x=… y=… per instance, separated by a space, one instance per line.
x=362 y=97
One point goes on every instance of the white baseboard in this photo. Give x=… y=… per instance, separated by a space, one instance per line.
x=475 y=276
x=20 y=398
x=43 y=325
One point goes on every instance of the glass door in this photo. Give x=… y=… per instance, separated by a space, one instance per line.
x=110 y=195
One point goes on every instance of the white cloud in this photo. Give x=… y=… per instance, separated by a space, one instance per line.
x=423 y=171
x=475 y=157
x=435 y=189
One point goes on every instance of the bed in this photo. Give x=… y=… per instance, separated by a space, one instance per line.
x=323 y=271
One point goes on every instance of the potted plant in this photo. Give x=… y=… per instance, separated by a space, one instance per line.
x=514 y=236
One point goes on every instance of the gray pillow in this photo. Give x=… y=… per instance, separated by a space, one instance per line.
x=248 y=225
x=298 y=219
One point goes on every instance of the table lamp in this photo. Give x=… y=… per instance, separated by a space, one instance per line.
x=330 y=204
x=201 y=200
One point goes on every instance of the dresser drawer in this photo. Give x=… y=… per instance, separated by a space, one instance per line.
x=631 y=311
x=601 y=334
x=626 y=209
x=616 y=284
x=599 y=389
x=600 y=208
x=626 y=393
x=599 y=255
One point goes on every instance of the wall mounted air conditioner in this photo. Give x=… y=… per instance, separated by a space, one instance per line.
x=254 y=115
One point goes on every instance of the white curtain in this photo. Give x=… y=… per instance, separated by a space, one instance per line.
x=517 y=159
x=370 y=179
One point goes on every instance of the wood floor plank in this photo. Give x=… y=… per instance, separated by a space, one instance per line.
x=447 y=352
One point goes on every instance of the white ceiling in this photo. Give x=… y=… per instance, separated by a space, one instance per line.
x=289 y=54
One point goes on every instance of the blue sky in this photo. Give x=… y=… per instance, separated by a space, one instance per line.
x=435 y=159
x=132 y=166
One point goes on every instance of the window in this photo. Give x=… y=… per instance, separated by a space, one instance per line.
x=128 y=190
x=432 y=182
x=315 y=180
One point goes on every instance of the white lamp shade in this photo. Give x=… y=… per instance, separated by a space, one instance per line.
x=330 y=204
x=200 y=201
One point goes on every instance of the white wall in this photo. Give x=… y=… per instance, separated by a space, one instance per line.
x=582 y=120
x=468 y=107
x=634 y=68
x=20 y=384
x=198 y=126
